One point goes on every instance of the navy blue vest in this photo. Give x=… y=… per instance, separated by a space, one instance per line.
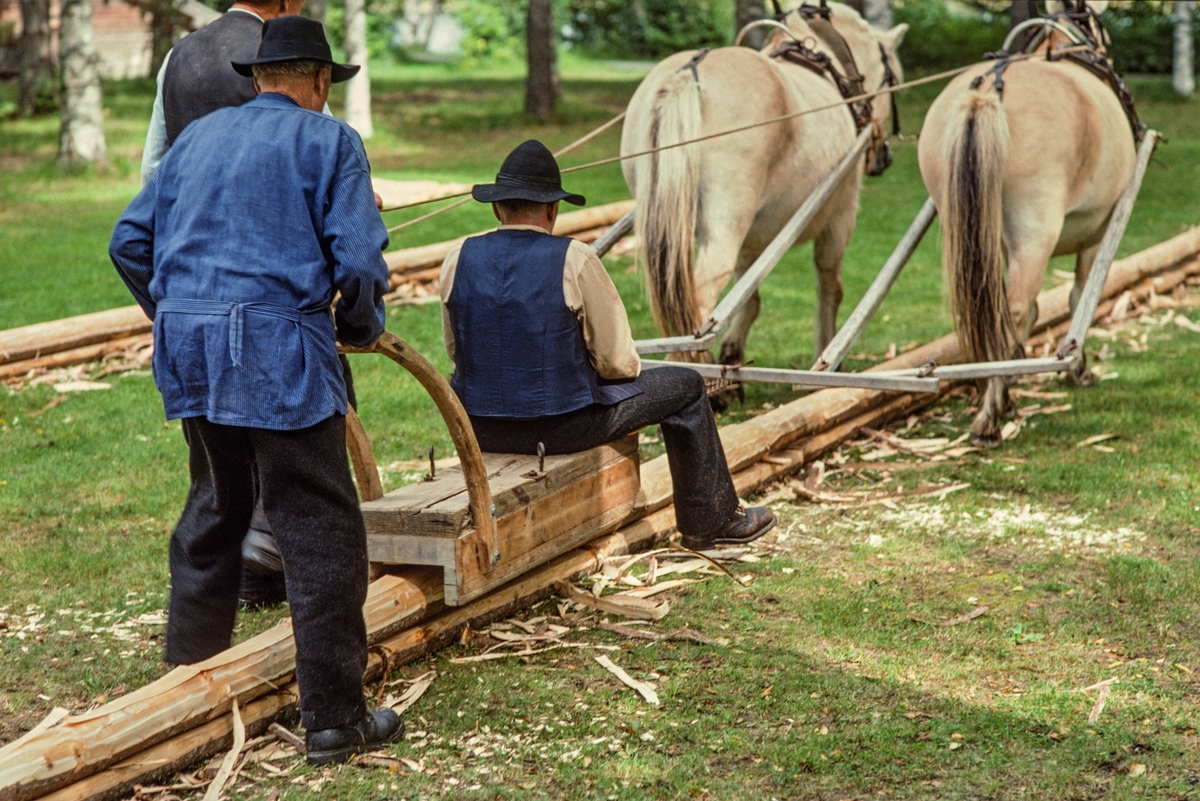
x=519 y=350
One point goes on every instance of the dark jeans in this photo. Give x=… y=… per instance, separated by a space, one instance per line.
x=260 y=584
x=673 y=397
x=310 y=501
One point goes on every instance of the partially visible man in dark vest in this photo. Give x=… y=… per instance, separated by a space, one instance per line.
x=543 y=353
x=196 y=77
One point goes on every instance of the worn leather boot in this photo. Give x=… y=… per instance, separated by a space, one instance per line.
x=334 y=746
x=744 y=527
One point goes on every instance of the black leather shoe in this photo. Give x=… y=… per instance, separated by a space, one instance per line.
x=334 y=746
x=744 y=527
x=260 y=590
x=260 y=552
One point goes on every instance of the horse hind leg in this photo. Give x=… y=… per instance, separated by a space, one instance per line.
x=733 y=344
x=828 y=249
x=1080 y=375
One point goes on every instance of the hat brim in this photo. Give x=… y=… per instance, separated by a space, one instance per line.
x=341 y=72
x=494 y=193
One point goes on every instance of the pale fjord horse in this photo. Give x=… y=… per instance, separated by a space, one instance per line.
x=731 y=195
x=1020 y=178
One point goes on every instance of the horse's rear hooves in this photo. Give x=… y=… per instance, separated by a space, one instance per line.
x=1083 y=379
x=986 y=440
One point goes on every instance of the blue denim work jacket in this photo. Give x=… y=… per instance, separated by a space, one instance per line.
x=236 y=247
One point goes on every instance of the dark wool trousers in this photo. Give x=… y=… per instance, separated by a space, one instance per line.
x=310 y=501
x=674 y=398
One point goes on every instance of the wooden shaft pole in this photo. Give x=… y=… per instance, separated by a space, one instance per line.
x=831 y=358
x=787 y=236
x=610 y=237
x=1085 y=309
x=808 y=379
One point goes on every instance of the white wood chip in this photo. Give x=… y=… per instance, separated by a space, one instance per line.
x=643 y=688
x=227 y=764
x=414 y=692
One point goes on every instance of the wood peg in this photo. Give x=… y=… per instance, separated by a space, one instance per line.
x=432 y=466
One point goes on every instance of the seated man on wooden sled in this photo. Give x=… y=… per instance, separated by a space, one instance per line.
x=543 y=354
x=257 y=216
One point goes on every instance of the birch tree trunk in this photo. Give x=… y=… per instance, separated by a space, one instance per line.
x=37 y=67
x=358 y=88
x=748 y=11
x=541 y=81
x=315 y=9
x=1184 y=67
x=878 y=13
x=81 y=137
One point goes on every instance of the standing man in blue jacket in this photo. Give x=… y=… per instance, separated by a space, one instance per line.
x=258 y=215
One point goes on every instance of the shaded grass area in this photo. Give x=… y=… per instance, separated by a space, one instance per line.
x=91 y=487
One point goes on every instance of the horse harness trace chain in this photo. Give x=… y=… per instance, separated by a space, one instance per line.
x=1083 y=25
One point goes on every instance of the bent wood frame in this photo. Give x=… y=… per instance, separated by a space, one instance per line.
x=927 y=379
x=479 y=493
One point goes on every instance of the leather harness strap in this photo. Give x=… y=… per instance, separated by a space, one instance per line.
x=695 y=60
x=1094 y=61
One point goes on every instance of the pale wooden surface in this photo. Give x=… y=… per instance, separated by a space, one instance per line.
x=538 y=515
x=40 y=339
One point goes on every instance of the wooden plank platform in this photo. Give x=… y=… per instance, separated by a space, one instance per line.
x=538 y=515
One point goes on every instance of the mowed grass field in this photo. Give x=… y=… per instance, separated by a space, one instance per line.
x=834 y=679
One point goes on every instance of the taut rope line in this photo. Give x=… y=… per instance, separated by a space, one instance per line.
x=580 y=141
x=614 y=159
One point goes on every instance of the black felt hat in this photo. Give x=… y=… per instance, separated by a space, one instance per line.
x=292 y=38
x=529 y=173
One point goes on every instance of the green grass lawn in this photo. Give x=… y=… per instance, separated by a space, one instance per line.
x=835 y=682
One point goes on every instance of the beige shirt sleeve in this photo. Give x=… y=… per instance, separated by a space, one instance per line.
x=445 y=284
x=590 y=293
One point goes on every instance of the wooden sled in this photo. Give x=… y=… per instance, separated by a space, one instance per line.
x=494 y=516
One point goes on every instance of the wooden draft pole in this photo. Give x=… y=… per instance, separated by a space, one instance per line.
x=762 y=266
x=1092 y=290
x=839 y=347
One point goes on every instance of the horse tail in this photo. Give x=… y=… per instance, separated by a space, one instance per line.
x=667 y=199
x=973 y=228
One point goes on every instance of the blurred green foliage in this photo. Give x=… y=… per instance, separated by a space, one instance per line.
x=1143 y=37
x=939 y=39
x=625 y=29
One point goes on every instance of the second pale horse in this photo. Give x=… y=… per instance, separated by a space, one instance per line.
x=1019 y=178
x=706 y=211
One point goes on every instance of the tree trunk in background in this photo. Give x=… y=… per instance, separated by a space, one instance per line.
x=1020 y=11
x=857 y=5
x=358 y=88
x=81 y=138
x=166 y=21
x=37 y=67
x=315 y=9
x=748 y=11
x=541 y=83
x=878 y=13
x=1184 y=68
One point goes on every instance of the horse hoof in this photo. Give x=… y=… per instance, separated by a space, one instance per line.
x=1084 y=379
x=986 y=440
x=720 y=401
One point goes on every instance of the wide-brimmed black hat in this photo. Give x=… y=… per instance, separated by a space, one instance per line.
x=292 y=38
x=529 y=173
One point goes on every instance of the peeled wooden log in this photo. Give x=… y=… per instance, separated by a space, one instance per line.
x=40 y=339
x=190 y=695
x=66 y=358
x=85 y=744
x=573 y=222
